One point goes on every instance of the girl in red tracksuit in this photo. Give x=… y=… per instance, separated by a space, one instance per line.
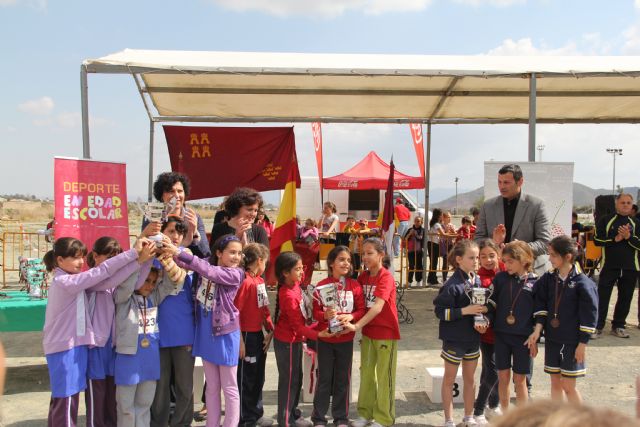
x=490 y=265
x=335 y=354
x=289 y=333
x=252 y=302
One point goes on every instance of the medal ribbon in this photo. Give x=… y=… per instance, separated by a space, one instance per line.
x=513 y=301
x=143 y=313
x=557 y=298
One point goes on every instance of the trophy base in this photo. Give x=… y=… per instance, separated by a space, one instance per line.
x=335 y=326
x=480 y=320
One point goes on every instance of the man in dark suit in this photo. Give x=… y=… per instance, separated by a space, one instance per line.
x=514 y=215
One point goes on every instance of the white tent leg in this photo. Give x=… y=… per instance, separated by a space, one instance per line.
x=532 y=117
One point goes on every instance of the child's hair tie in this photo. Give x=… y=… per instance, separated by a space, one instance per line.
x=226 y=240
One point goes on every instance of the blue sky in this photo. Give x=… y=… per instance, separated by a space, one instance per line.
x=43 y=43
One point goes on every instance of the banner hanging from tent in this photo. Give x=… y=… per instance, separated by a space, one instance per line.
x=90 y=200
x=416 y=134
x=317 y=146
x=219 y=159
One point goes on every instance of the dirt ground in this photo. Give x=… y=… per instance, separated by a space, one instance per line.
x=612 y=367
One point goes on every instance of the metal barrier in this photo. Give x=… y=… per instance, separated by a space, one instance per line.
x=18 y=244
x=29 y=245
x=436 y=256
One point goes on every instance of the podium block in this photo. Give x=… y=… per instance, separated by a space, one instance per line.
x=434 y=385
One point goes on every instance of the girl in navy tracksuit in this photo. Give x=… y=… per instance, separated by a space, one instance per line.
x=513 y=299
x=458 y=332
x=567 y=308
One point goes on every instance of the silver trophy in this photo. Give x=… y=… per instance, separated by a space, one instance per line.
x=479 y=296
x=328 y=297
x=158 y=212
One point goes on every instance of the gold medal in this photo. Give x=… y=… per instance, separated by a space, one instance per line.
x=511 y=319
x=144 y=342
x=555 y=322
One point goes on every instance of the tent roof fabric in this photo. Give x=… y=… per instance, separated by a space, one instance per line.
x=301 y=87
x=371 y=173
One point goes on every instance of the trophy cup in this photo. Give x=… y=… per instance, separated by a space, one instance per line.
x=158 y=212
x=479 y=296
x=328 y=298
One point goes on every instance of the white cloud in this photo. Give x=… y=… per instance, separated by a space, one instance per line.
x=525 y=46
x=631 y=35
x=69 y=120
x=637 y=4
x=34 y=4
x=498 y=3
x=333 y=8
x=37 y=107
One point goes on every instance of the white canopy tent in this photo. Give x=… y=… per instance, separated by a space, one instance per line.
x=184 y=86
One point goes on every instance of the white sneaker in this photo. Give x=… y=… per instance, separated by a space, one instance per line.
x=491 y=413
x=480 y=420
x=449 y=423
x=468 y=422
x=265 y=422
x=360 y=422
x=375 y=424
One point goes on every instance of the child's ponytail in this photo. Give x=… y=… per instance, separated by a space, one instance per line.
x=64 y=247
x=285 y=262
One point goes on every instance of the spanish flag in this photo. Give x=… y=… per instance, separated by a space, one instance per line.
x=284 y=234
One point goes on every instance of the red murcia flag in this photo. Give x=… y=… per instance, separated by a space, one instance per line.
x=416 y=134
x=219 y=159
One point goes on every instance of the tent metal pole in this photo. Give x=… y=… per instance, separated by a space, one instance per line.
x=532 y=117
x=84 y=106
x=427 y=174
x=151 y=137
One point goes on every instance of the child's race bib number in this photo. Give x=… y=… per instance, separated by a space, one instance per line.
x=263 y=297
x=369 y=296
x=345 y=299
x=149 y=324
x=203 y=297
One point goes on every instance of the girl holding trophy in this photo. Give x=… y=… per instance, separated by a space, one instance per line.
x=337 y=299
x=460 y=307
x=513 y=298
x=290 y=331
x=380 y=335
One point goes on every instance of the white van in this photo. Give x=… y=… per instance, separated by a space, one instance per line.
x=358 y=203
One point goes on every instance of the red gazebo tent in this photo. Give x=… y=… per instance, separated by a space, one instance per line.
x=371 y=173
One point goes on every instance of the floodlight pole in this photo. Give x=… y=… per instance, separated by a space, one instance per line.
x=456 y=181
x=532 y=117
x=84 y=105
x=615 y=152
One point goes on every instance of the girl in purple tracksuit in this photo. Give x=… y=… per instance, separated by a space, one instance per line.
x=68 y=331
x=100 y=395
x=217 y=333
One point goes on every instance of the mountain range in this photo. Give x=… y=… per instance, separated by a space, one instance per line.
x=582 y=196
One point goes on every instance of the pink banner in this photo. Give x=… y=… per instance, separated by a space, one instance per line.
x=91 y=200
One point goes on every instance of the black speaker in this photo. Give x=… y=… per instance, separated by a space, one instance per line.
x=605 y=205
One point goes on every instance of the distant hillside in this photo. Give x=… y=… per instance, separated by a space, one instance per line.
x=582 y=196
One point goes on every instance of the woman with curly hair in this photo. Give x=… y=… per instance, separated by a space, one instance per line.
x=170 y=185
x=242 y=206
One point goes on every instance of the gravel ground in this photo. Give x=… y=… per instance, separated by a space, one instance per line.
x=612 y=362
